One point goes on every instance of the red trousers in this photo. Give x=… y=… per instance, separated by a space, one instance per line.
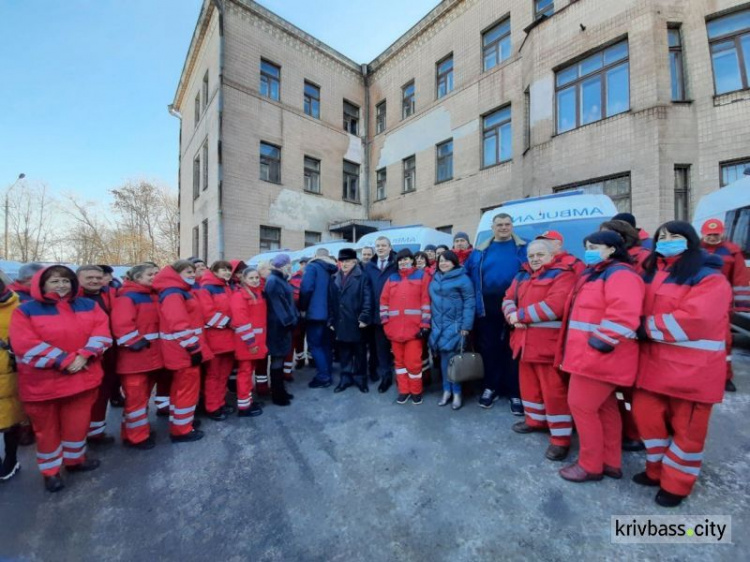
x=625 y=405
x=298 y=342
x=60 y=427
x=110 y=385
x=594 y=408
x=407 y=360
x=218 y=370
x=245 y=384
x=544 y=394
x=163 y=382
x=261 y=375
x=183 y=397
x=137 y=389
x=675 y=460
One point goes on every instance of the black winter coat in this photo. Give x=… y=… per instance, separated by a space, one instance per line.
x=378 y=278
x=282 y=314
x=352 y=304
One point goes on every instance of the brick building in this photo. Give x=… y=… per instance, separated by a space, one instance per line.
x=284 y=140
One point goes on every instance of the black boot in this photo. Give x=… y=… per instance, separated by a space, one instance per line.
x=9 y=465
x=278 y=388
x=385 y=384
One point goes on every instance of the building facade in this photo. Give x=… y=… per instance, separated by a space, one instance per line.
x=482 y=101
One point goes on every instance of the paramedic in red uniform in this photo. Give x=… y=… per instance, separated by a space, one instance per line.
x=135 y=327
x=600 y=351
x=183 y=346
x=405 y=315
x=735 y=270
x=59 y=339
x=534 y=305
x=682 y=364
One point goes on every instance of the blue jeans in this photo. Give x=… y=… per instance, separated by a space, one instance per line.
x=319 y=342
x=448 y=386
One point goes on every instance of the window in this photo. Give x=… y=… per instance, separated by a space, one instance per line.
x=444 y=155
x=312 y=100
x=593 y=89
x=407 y=100
x=729 y=39
x=204 y=167
x=204 y=224
x=496 y=44
x=675 y=64
x=381 y=177
x=380 y=117
x=270 y=238
x=682 y=193
x=270 y=80
x=311 y=238
x=410 y=174
x=445 y=76
x=196 y=241
x=312 y=175
x=448 y=229
x=351 y=118
x=733 y=171
x=497 y=137
x=351 y=182
x=616 y=187
x=543 y=8
x=205 y=90
x=196 y=176
x=270 y=163
x=197 y=113
x=526 y=120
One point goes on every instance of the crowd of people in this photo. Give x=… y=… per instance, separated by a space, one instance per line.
x=630 y=347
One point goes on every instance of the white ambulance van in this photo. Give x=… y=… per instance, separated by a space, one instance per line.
x=414 y=237
x=574 y=214
x=731 y=205
x=266 y=256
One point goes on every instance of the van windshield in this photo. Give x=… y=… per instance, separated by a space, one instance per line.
x=738 y=229
x=573 y=231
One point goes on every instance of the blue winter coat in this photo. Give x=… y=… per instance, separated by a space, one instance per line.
x=282 y=314
x=352 y=304
x=316 y=287
x=378 y=278
x=453 y=306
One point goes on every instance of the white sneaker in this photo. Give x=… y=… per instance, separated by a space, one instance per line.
x=445 y=399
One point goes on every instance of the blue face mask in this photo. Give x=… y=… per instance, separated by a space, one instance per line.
x=670 y=248
x=592 y=257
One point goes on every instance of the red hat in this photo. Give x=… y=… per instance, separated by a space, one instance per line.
x=712 y=226
x=550 y=235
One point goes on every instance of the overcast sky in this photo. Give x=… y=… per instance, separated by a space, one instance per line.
x=86 y=83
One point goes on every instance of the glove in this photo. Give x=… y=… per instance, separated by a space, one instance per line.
x=196 y=359
x=141 y=344
x=423 y=334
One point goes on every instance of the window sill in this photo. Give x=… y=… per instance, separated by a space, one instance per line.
x=271 y=181
x=446 y=180
x=407 y=192
x=629 y=111
x=379 y=200
x=501 y=163
x=351 y=201
x=310 y=192
x=731 y=97
x=682 y=102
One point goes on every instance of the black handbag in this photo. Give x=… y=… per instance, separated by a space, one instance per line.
x=466 y=366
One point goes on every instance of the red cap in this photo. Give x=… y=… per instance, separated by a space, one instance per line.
x=550 y=235
x=712 y=226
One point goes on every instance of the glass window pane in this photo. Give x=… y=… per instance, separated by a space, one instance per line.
x=616 y=52
x=729 y=24
x=506 y=142
x=496 y=32
x=275 y=90
x=591 y=100
x=490 y=149
x=566 y=110
x=745 y=46
x=505 y=48
x=675 y=64
x=497 y=117
x=674 y=37
x=567 y=75
x=490 y=59
x=618 y=90
x=726 y=68
x=591 y=64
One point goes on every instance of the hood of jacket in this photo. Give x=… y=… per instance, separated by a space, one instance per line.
x=515 y=237
x=133 y=287
x=326 y=262
x=38 y=295
x=452 y=274
x=168 y=278
x=238 y=266
x=210 y=278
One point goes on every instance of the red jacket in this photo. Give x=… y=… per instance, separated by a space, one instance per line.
x=570 y=260
x=135 y=326
x=685 y=354
x=405 y=304
x=214 y=296
x=238 y=266
x=638 y=254
x=296 y=282
x=735 y=270
x=249 y=313
x=601 y=317
x=23 y=291
x=463 y=255
x=47 y=333
x=180 y=321
x=539 y=298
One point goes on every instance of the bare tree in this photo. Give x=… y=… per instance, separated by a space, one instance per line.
x=31 y=214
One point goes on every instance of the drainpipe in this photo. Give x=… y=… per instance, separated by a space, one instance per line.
x=220 y=102
x=174 y=113
x=366 y=142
